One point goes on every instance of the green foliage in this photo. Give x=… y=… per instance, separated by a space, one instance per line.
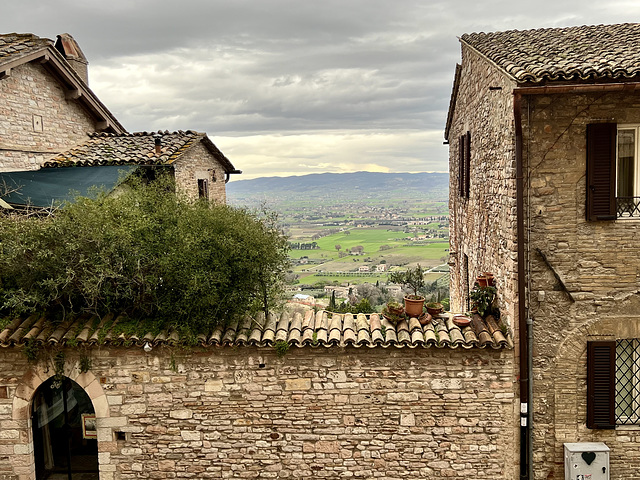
x=482 y=298
x=332 y=303
x=363 y=306
x=282 y=347
x=84 y=363
x=445 y=304
x=412 y=278
x=31 y=350
x=160 y=259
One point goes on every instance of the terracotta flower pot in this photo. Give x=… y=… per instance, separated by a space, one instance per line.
x=395 y=310
x=461 y=321
x=482 y=281
x=434 y=309
x=413 y=308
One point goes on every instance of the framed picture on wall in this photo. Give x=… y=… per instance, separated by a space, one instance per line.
x=89 y=430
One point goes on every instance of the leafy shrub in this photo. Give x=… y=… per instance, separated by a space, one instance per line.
x=160 y=259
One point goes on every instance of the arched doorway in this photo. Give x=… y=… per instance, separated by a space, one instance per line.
x=64 y=432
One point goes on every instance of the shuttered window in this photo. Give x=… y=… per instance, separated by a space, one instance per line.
x=467 y=164
x=464 y=164
x=601 y=177
x=601 y=362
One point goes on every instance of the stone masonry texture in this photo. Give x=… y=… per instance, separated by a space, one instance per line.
x=36 y=119
x=198 y=163
x=483 y=227
x=247 y=413
x=598 y=262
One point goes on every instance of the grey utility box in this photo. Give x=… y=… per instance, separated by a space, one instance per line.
x=586 y=461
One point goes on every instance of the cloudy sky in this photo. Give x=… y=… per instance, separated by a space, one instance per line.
x=291 y=87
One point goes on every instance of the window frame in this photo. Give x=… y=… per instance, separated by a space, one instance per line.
x=464 y=164
x=635 y=127
x=603 y=178
x=604 y=389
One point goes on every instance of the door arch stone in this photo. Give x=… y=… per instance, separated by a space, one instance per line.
x=23 y=460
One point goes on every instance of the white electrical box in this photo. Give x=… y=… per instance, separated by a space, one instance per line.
x=586 y=461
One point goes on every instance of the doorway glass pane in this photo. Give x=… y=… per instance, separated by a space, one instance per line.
x=62 y=449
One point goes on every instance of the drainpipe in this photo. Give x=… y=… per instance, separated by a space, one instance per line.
x=524 y=330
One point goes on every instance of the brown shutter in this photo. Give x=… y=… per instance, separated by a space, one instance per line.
x=601 y=375
x=467 y=164
x=461 y=174
x=601 y=177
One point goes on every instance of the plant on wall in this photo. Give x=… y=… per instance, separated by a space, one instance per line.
x=483 y=299
x=146 y=253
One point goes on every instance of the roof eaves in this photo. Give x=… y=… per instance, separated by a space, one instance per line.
x=501 y=69
x=58 y=65
x=226 y=163
x=86 y=94
x=452 y=101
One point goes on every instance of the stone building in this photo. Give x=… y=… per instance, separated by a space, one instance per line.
x=50 y=117
x=341 y=396
x=543 y=129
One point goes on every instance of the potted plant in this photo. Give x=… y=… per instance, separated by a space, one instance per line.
x=482 y=298
x=395 y=308
x=414 y=279
x=434 y=308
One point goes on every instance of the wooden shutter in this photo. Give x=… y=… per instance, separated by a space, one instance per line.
x=601 y=177
x=601 y=376
x=461 y=173
x=467 y=164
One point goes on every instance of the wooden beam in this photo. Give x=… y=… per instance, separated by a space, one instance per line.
x=102 y=125
x=5 y=73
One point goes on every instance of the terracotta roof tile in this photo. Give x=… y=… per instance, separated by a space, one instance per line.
x=594 y=52
x=319 y=329
x=16 y=45
x=135 y=149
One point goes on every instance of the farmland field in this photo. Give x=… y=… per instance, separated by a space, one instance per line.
x=339 y=224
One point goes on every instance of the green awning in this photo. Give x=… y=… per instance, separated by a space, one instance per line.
x=54 y=186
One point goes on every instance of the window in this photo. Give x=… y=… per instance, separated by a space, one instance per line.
x=628 y=381
x=613 y=383
x=627 y=179
x=464 y=164
x=203 y=188
x=613 y=171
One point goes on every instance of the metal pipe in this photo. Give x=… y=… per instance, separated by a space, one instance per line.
x=522 y=320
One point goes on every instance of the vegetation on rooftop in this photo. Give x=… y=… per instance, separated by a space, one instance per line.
x=160 y=259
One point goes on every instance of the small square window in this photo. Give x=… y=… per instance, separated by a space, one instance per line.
x=37 y=123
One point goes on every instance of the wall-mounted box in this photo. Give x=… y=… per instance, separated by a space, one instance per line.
x=586 y=461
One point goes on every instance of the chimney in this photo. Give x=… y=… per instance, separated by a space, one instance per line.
x=70 y=50
x=158 y=141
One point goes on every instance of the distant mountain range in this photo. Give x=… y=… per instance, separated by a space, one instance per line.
x=340 y=186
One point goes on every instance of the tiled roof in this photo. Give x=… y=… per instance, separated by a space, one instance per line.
x=309 y=330
x=596 y=52
x=16 y=45
x=134 y=149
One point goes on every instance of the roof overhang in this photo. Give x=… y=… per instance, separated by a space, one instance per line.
x=452 y=101
x=75 y=87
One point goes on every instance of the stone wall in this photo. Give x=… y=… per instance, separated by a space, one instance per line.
x=198 y=163
x=36 y=119
x=599 y=262
x=483 y=227
x=246 y=413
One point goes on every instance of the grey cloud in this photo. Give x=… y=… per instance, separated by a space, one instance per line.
x=240 y=68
